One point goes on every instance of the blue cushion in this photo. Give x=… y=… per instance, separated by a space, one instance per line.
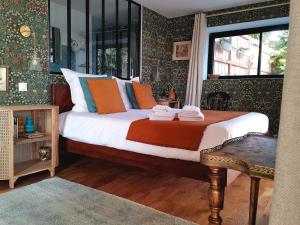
x=131 y=95
x=87 y=93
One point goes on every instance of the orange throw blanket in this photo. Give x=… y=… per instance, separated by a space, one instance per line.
x=176 y=134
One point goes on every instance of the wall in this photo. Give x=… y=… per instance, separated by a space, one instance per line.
x=262 y=95
x=158 y=35
x=16 y=51
x=250 y=15
x=250 y=95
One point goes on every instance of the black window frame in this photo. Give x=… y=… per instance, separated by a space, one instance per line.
x=257 y=30
x=87 y=9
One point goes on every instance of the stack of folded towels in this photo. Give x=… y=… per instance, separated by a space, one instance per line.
x=190 y=113
x=162 y=112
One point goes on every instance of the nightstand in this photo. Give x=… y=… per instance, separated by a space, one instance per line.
x=19 y=156
x=169 y=102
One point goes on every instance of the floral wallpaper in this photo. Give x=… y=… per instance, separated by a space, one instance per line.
x=256 y=95
x=282 y=10
x=16 y=51
x=159 y=33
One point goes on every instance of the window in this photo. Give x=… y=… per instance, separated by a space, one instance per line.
x=251 y=52
x=95 y=36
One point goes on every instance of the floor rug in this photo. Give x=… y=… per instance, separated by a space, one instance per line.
x=57 y=201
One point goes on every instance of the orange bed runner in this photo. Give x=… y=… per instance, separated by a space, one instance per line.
x=176 y=134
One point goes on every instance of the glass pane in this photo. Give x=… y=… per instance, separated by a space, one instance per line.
x=58 y=35
x=274 y=52
x=237 y=55
x=110 y=38
x=123 y=39
x=135 y=40
x=78 y=37
x=95 y=48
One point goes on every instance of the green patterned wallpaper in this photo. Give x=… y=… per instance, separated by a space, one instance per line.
x=16 y=50
x=158 y=35
x=261 y=95
x=250 y=95
x=281 y=10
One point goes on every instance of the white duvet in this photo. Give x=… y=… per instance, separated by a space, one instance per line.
x=111 y=131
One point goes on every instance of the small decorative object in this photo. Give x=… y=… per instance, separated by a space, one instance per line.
x=75 y=46
x=35 y=62
x=29 y=126
x=16 y=132
x=21 y=127
x=157 y=76
x=34 y=135
x=3 y=77
x=182 y=50
x=25 y=31
x=172 y=94
x=44 y=153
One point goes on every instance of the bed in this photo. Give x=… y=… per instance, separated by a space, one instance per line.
x=104 y=136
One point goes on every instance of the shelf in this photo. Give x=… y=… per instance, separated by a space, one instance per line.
x=23 y=140
x=32 y=166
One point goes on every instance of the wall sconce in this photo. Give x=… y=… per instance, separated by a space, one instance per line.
x=35 y=62
x=155 y=72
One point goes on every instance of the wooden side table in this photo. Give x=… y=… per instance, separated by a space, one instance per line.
x=252 y=154
x=169 y=102
x=19 y=156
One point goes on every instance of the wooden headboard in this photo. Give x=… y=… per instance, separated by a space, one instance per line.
x=61 y=96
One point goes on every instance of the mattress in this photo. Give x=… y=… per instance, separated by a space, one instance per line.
x=111 y=131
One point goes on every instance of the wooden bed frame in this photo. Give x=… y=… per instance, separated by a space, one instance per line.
x=61 y=97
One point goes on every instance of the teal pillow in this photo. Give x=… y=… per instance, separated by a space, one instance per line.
x=131 y=95
x=87 y=93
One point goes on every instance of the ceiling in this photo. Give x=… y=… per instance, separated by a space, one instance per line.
x=175 y=8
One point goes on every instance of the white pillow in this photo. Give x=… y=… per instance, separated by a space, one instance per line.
x=123 y=92
x=77 y=95
x=135 y=79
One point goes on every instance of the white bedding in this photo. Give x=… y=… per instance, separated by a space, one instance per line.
x=111 y=130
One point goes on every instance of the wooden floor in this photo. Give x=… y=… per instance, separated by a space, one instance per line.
x=181 y=197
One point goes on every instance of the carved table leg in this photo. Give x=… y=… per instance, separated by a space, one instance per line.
x=253 y=200
x=216 y=195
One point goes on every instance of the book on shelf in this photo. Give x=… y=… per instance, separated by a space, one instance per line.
x=16 y=127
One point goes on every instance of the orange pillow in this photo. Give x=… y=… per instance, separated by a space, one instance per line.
x=106 y=96
x=143 y=95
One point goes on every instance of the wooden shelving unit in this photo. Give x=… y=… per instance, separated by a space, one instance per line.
x=23 y=140
x=45 y=118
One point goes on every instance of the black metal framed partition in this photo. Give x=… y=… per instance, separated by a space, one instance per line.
x=95 y=36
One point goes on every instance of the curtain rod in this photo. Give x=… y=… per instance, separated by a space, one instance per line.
x=245 y=10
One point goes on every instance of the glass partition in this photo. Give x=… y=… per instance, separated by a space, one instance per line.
x=135 y=40
x=95 y=48
x=78 y=36
x=58 y=38
x=95 y=36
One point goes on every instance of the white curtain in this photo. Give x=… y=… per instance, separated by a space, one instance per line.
x=286 y=201
x=197 y=66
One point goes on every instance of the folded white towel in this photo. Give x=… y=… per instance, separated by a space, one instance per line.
x=194 y=118
x=191 y=108
x=190 y=113
x=163 y=113
x=153 y=116
x=161 y=109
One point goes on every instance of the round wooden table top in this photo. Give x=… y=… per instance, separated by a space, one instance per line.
x=253 y=154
